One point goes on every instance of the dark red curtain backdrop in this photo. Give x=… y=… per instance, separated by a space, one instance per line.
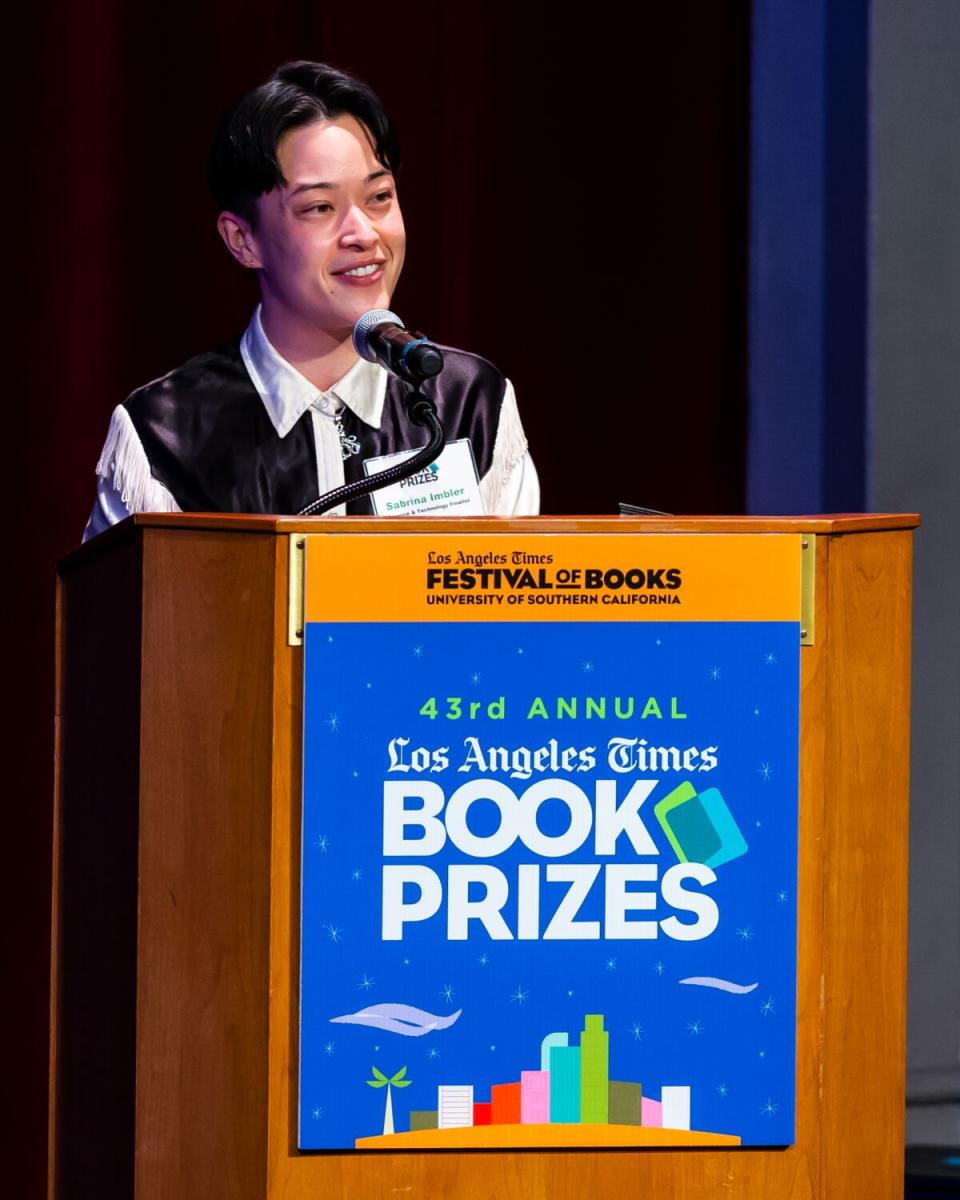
x=575 y=193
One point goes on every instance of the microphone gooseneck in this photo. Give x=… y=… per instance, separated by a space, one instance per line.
x=421 y=411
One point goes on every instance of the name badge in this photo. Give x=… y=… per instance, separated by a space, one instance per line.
x=446 y=487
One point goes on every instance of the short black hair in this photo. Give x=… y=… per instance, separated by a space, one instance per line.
x=243 y=165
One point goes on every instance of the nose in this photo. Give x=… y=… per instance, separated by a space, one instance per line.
x=358 y=229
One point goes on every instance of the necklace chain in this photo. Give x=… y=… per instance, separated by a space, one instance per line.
x=348 y=442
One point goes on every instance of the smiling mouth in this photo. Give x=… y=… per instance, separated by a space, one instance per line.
x=361 y=272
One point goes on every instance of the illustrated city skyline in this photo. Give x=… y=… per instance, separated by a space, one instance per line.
x=572 y=1086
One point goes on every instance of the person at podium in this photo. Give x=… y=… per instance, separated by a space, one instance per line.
x=303 y=170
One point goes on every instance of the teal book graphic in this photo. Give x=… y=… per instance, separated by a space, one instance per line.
x=700 y=827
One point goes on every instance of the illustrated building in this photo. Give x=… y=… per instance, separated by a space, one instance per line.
x=565 y=1084
x=423 y=1119
x=675 y=1102
x=625 y=1104
x=505 y=1104
x=551 y=1040
x=454 y=1105
x=534 y=1097
x=594 y=1071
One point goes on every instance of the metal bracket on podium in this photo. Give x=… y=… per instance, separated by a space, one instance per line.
x=296 y=542
x=808 y=588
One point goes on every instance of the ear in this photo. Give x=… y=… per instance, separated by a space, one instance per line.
x=239 y=239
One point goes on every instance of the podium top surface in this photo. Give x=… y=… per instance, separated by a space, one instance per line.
x=819 y=523
x=812 y=523
x=822 y=523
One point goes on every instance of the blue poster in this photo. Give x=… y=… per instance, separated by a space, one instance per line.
x=549 y=873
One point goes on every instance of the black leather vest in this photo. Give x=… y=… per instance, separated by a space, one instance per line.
x=210 y=442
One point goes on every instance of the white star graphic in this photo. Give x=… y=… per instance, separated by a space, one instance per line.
x=334 y=722
x=769 y=658
x=765 y=771
x=715 y=673
x=769 y=1108
x=329 y=1048
x=447 y=992
x=322 y=843
x=745 y=933
x=418 y=651
x=317 y=1113
x=637 y=1032
x=334 y=932
x=483 y=960
x=767 y=1007
x=695 y=1027
x=587 y=668
x=520 y=995
x=475 y=677
x=782 y=896
x=611 y=964
x=356 y=874
x=659 y=968
x=366 y=983
x=433 y=1053
x=722 y=1090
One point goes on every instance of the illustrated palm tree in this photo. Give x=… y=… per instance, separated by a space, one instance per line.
x=380 y=1080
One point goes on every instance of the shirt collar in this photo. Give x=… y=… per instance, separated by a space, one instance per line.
x=286 y=394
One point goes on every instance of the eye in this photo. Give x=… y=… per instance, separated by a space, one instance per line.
x=383 y=197
x=322 y=206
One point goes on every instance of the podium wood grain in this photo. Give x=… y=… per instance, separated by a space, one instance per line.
x=178 y=829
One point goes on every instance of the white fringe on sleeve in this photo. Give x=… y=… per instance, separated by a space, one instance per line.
x=124 y=466
x=508 y=450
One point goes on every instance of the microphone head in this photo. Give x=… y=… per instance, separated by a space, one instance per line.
x=366 y=325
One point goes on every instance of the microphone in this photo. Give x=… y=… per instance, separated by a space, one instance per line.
x=379 y=336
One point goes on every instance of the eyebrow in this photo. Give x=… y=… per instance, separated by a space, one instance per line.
x=330 y=187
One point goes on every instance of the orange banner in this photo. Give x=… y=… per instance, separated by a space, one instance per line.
x=552 y=577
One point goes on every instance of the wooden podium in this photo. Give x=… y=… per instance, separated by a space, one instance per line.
x=175 y=968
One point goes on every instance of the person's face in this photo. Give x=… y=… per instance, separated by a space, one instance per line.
x=329 y=243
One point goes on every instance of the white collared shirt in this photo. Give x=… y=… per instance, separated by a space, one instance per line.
x=126 y=485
